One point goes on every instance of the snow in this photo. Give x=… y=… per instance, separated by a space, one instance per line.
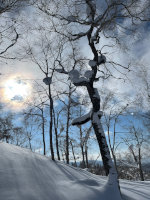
x=81 y=34
x=83 y=119
x=59 y=70
x=93 y=38
x=88 y=74
x=71 y=18
x=92 y=63
x=101 y=59
x=25 y=175
x=96 y=94
x=47 y=80
x=74 y=76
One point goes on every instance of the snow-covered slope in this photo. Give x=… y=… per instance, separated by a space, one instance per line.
x=29 y=176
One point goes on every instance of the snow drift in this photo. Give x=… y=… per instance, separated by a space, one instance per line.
x=25 y=175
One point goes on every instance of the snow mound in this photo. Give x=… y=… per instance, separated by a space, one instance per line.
x=29 y=176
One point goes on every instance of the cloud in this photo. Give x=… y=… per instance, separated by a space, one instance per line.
x=17 y=98
x=19 y=81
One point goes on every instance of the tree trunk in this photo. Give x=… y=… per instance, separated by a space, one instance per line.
x=73 y=154
x=105 y=153
x=86 y=156
x=82 y=147
x=112 y=149
x=43 y=134
x=30 y=142
x=67 y=136
x=56 y=135
x=115 y=162
x=67 y=126
x=100 y=135
x=140 y=166
x=51 y=124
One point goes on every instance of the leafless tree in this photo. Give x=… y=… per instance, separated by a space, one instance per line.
x=135 y=142
x=6 y=127
x=44 y=57
x=111 y=118
x=35 y=111
x=69 y=103
x=95 y=19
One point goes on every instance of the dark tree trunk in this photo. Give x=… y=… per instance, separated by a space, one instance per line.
x=140 y=166
x=51 y=124
x=30 y=143
x=73 y=154
x=98 y=129
x=86 y=156
x=43 y=133
x=112 y=149
x=67 y=136
x=56 y=135
x=102 y=143
x=82 y=147
x=67 y=126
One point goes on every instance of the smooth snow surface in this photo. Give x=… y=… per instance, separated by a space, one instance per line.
x=28 y=176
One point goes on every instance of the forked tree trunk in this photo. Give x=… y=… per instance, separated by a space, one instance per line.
x=112 y=148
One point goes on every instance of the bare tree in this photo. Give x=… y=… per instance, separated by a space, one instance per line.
x=35 y=112
x=56 y=126
x=29 y=129
x=135 y=142
x=6 y=127
x=114 y=110
x=93 y=21
x=45 y=58
x=73 y=153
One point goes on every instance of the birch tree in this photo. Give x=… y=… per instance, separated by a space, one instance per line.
x=92 y=19
x=44 y=58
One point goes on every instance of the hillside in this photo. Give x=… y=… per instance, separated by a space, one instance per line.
x=29 y=176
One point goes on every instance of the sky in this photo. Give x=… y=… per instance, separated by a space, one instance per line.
x=139 y=51
x=17 y=77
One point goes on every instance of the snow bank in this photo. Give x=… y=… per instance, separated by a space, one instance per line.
x=29 y=176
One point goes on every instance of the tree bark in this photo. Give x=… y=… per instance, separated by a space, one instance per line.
x=82 y=147
x=112 y=148
x=43 y=133
x=51 y=123
x=140 y=166
x=73 y=154
x=67 y=126
x=86 y=156
x=56 y=135
x=98 y=129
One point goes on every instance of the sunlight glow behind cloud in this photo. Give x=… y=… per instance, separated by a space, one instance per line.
x=15 y=92
x=16 y=88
